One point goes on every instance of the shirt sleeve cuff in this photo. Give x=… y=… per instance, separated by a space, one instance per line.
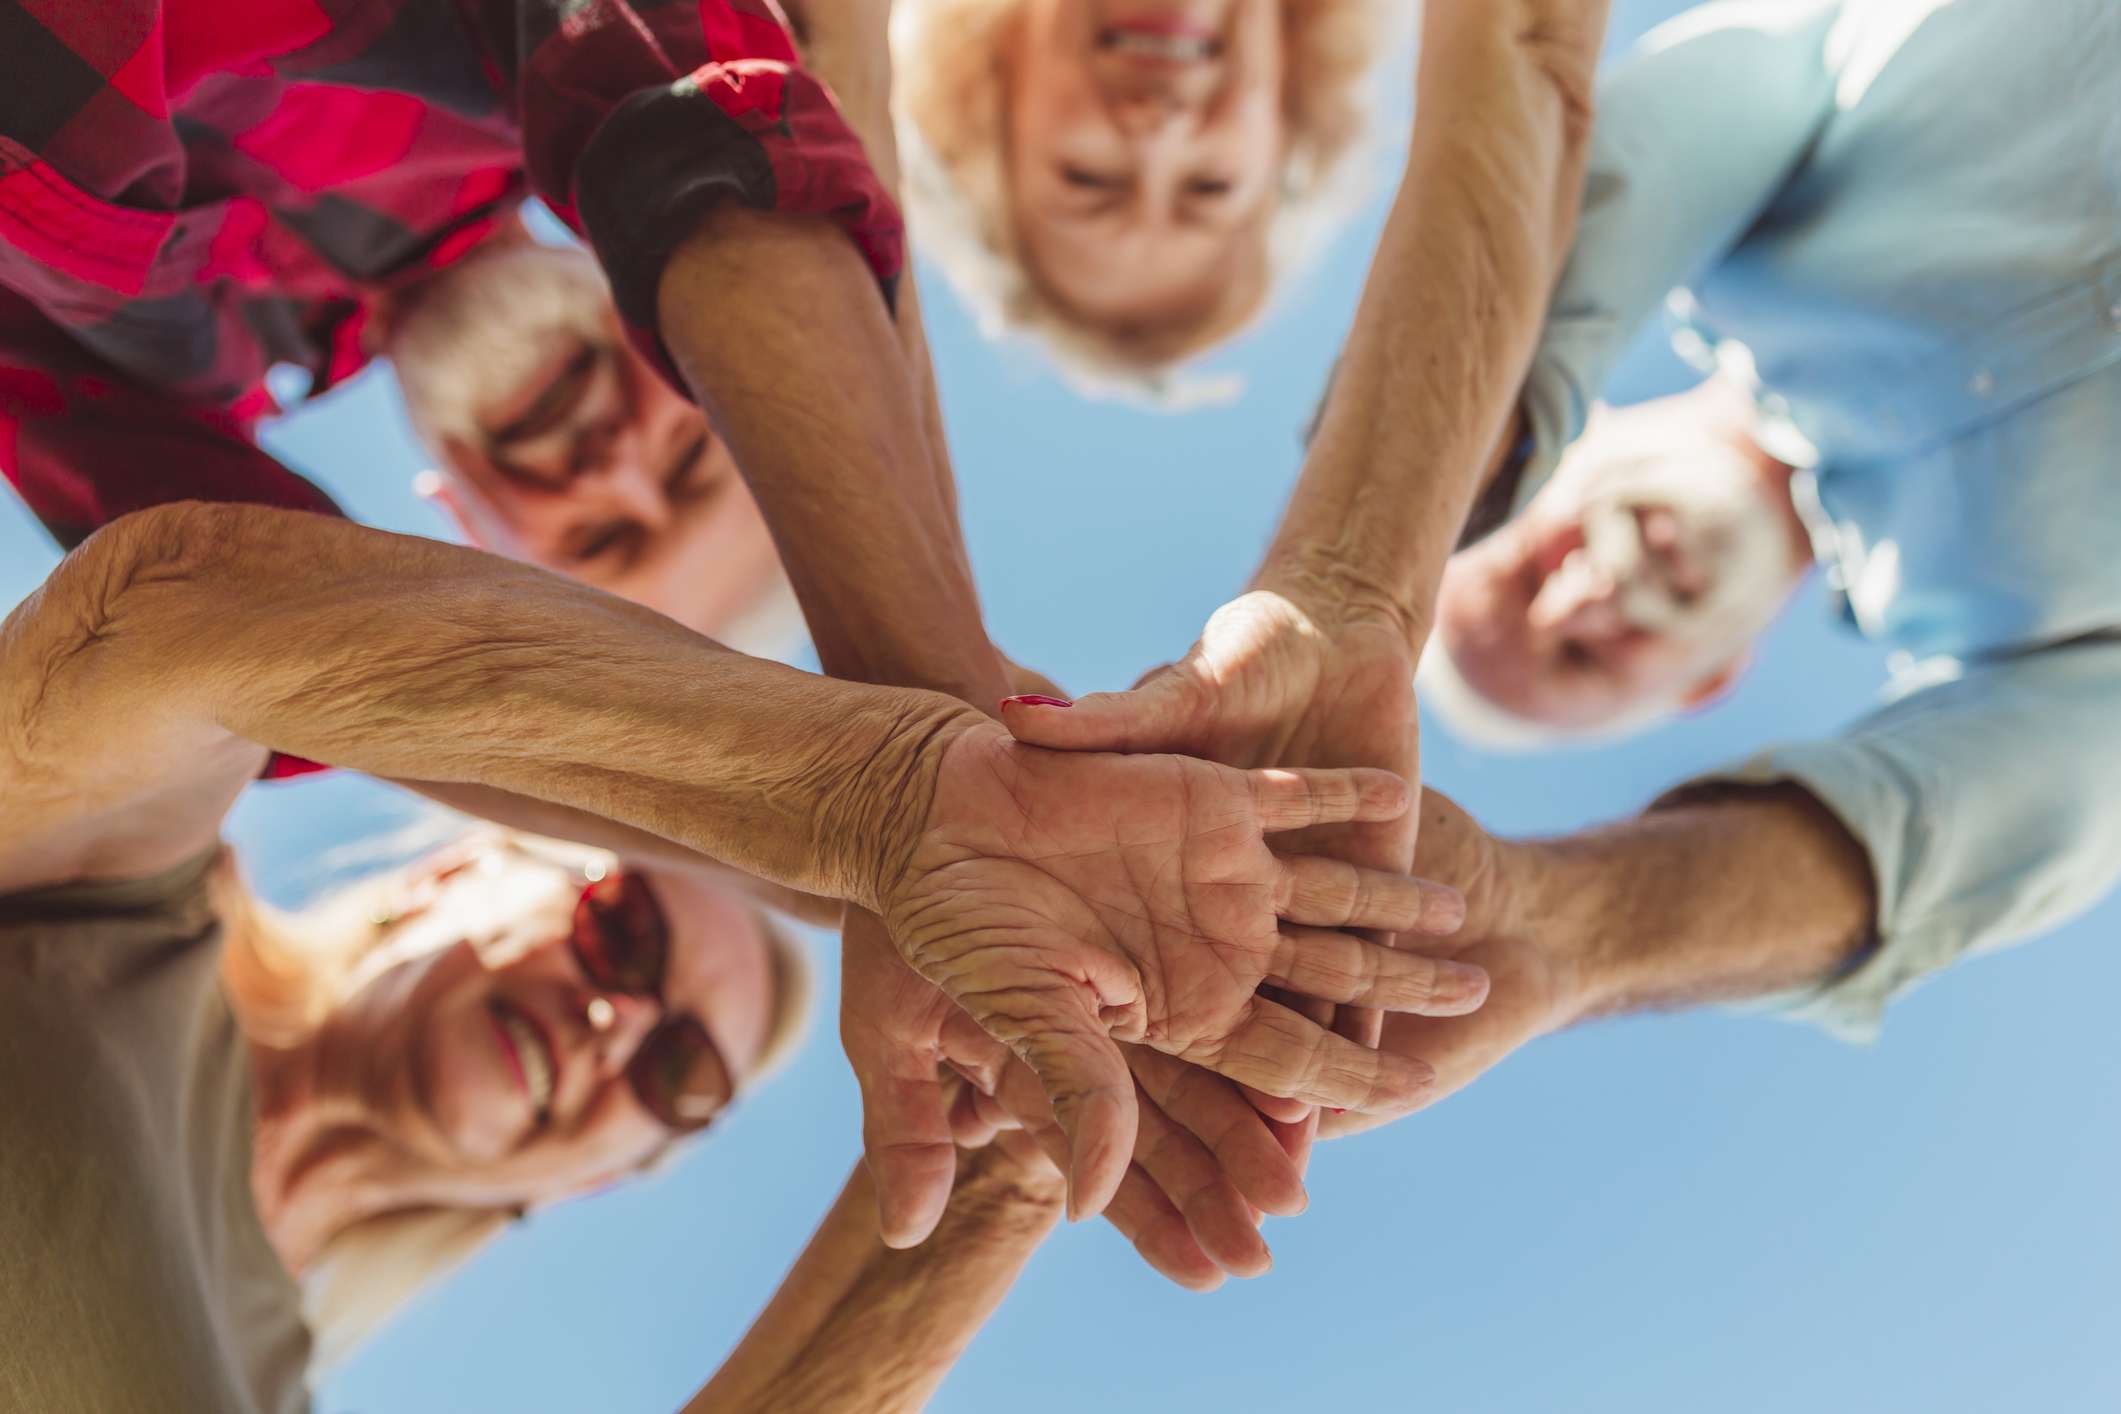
x=758 y=132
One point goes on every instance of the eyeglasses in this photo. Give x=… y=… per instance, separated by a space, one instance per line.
x=621 y=941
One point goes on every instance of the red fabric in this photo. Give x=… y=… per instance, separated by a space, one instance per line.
x=192 y=191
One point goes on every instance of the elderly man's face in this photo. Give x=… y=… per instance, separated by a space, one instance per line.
x=1636 y=580
x=561 y=446
x=594 y=467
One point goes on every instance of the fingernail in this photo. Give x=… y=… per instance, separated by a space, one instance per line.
x=1336 y=1110
x=1034 y=699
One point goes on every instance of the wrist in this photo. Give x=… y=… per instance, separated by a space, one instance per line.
x=872 y=814
x=997 y=1186
x=1337 y=592
x=1556 y=897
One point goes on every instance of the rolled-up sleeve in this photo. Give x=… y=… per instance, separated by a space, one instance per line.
x=1989 y=803
x=1696 y=132
x=641 y=116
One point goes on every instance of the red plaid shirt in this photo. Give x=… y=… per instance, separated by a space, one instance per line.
x=192 y=191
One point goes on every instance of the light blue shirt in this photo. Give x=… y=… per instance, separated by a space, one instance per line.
x=1904 y=217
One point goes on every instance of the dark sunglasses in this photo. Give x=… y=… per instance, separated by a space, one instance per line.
x=621 y=941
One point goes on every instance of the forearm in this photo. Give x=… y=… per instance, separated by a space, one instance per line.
x=858 y=1328
x=634 y=845
x=849 y=49
x=1457 y=292
x=777 y=323
x=1718 y=897
x=410 y=659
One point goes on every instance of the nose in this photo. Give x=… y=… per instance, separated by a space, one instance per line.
x=628 y=488
x=618 y=1023
x=1578 y=601
x=1149 y=112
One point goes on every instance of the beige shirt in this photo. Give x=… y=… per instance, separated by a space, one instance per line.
x=135 y=1277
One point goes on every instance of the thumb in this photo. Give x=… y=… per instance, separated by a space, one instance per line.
x=1092 y=1093
x=906 y=1136
x=1156 y=716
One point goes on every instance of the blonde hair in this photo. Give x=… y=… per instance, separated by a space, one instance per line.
x=953 y=135
x=284 y=975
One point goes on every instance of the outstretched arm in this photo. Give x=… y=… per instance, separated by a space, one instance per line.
x=1316 y=665
x=1456 y=296
x=1718 y=898
x=143 y=682
x=860 y=1328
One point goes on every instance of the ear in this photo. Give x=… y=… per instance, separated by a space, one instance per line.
x=464 y=503
x=1717 y=685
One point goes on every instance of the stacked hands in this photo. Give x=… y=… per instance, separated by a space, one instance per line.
x=1153 y=929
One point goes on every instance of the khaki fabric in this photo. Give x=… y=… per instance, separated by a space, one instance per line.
x=135 y=1277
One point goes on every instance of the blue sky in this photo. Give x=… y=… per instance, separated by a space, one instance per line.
x=1703 y=1211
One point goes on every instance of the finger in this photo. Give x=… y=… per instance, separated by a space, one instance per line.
x=1299 y=799
x=1151 y=717
x=1365 y=1026
x=970 y=1128
x=906 y=1140
x=1215 y=1212
x=1332 y=893
x=1274 y=1107
x=1340 y=967
x=973 y=1053
x=1139 y=1209
x=1092 y=1093
x=1275 y=1050
x=1146 y=1218
x=1242 y=1143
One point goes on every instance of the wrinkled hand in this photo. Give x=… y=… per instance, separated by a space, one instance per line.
x=1277 y=679
x=1068 y=901
x=1536 y=985
x=1207 y=1165
x=898 y=1031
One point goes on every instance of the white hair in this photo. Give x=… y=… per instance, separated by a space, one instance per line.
x=474 y=334
x=1477 y=720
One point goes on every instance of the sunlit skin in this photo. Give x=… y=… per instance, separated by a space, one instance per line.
x=486 y=931
x=598 y=469
x=1534 y=627
x=1145 y=140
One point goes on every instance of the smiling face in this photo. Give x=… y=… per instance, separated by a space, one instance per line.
x=521 y=1062
x=1145 y=141
x=563 y=447
x=1635 y=582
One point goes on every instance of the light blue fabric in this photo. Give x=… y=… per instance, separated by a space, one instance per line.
x=1904 y=216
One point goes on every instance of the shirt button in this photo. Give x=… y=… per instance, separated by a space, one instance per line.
x=1982 y=384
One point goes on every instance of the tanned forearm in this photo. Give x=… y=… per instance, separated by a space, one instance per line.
x=1714 y=897
x=858 y=1328
x=637 y=846
x=1457 y=293
x=777 y=323
x=187 y=627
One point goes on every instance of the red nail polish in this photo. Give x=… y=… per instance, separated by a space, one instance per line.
x=1033 y=699
x=1336 y=1110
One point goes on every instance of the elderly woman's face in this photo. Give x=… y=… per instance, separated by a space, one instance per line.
x=1145 y=139
x=517 y=1064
